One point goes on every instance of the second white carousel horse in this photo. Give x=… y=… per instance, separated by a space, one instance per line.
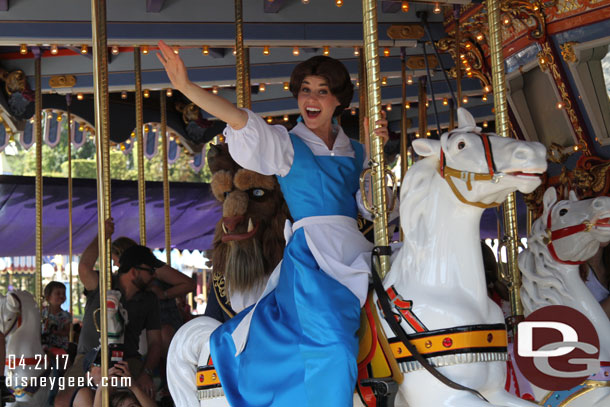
x=569 y=232
x=26 y=364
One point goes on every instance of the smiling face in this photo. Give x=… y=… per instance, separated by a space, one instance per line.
x=316 y=103
x=57 y=297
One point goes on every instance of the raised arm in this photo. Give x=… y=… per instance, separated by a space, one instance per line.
x=181 y=284
x=87 y=275
x=215 y=105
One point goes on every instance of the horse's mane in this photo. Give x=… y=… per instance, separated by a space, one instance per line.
x=414 y=196
x=542 y=282
x=414 y=208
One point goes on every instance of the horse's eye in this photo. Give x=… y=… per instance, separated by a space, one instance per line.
x=461 y=145
x=563 y=212
x=258 y=192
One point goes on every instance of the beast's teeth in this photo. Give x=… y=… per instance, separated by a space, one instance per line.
x=250 y=225
x=224 y=228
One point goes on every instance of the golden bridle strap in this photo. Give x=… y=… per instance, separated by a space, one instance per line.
x=468 y=177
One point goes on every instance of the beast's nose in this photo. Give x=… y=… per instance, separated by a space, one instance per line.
x=230 y=223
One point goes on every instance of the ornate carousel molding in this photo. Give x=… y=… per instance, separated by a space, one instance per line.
x=548 y=61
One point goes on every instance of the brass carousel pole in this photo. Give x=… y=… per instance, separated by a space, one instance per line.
x=371 y=54
x=140 y=147
x=422 y=99
x=404 y=137
x=362 y=93
x=168 y=232
x=501 y=113
x=38 y=136
x=70 y=274
x=458 y=47
x=242 y=57
x=100 y=68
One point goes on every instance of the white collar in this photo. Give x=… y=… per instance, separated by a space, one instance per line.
x=341 y=142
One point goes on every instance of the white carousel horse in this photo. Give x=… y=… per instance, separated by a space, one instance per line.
x=551 y=275
x=20 y=321
x=440 y=270
x=440 y=267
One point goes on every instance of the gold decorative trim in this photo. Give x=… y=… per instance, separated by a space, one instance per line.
x=62 y=81
x=418 y=62
x=472 y=55
x=546 y=60
x=406 y=32
x=567 y=51
x=530 y=13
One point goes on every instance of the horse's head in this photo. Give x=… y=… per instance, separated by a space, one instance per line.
x=573 y=229
x=482 y=169
x=10 y=313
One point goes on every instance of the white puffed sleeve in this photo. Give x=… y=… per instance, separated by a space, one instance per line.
x=261 y=147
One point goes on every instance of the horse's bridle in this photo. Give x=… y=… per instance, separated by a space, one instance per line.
x=552 y=235
x=17 y=321
x=468 y=177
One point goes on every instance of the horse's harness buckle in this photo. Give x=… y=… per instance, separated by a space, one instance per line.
x=588 y=225
x=547 y=238
x=496 y=177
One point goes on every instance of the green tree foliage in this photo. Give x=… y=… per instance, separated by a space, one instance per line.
x=122 y=166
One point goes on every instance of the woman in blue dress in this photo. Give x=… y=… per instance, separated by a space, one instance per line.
x=297 y=345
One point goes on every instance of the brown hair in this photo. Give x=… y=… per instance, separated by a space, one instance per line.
x=50 y=287
x=333 y=71
x=121 y=244
x=122 y=395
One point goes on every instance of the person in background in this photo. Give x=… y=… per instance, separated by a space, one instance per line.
x=137 y=269
x=201 y=304
x=55 y=321
x=91 y=396
x=132 y=396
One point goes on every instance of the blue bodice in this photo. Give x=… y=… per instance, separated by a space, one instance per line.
x=321 y=185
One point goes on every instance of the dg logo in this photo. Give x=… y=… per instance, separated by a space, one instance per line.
x=557 y=348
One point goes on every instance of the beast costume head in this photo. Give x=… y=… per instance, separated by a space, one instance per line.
x=249 y=239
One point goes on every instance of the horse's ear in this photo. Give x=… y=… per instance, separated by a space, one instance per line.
x=12 y=300
x=548 y=200
x=572 y=196
x=426 y=147
x=465 y=119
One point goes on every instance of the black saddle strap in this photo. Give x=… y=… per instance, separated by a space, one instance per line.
x=400 y=333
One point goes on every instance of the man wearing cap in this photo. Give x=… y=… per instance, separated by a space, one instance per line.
x=137 y=268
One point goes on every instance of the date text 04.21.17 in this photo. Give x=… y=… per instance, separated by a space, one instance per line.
x=37 y=362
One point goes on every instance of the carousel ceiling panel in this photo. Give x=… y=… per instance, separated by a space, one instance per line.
x=193 y=24
x=192 y=204
x=210 y=11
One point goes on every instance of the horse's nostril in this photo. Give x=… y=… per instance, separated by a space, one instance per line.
x=522 y=153
x=599 y=203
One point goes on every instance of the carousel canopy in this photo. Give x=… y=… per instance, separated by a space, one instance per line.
x=194 y=212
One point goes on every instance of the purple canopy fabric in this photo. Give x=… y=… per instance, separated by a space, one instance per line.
x=194 y=213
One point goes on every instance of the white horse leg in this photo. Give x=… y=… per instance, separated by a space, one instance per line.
x=494 y=389
x=183 y=358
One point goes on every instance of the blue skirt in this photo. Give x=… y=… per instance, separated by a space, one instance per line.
x=302 y=344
